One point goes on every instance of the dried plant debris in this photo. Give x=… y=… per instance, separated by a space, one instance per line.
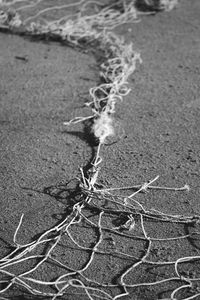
x=106 y=16
x=109 y=234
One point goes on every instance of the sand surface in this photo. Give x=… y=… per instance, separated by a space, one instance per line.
x=157 y=128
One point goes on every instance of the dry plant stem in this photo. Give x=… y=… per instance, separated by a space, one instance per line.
x=47 y=9
x=139 y=186
x=4 y=3
x=78 y=120
x=184 y=259
x=142 y=259
x=143 y=187
x=139 y=208
x=24 y=7
x=97 y=159
x=87 y=289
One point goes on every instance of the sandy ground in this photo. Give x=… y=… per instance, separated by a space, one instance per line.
x=159 y=119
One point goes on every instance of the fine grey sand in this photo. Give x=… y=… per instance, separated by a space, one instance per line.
x=43 y=84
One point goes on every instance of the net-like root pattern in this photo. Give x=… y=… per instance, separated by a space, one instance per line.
x=113 y=219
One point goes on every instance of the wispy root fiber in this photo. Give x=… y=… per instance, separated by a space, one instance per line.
x=102 y=230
